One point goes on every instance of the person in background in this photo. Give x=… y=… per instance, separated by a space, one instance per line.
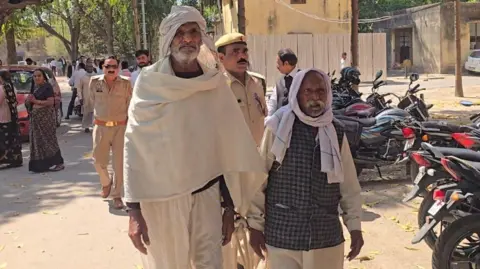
x=1 y=63
x=45 y=154
x=53 y=66
x=29 y=61
x=100 y=67
x=84 y=94
x=143 y=59
x=69 y=70
x=343 y=61
x=64 y=65
x=287 y=65
x=125 y=72
x=108 y=99
x=295 y=217
x=10 y=144
x=74 y=81
x=59 y=65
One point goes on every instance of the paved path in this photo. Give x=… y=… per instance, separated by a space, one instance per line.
x=57 y=220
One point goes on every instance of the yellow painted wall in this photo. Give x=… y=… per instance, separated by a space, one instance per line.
x=270 y=17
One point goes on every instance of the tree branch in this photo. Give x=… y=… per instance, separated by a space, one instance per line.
x=50 y=29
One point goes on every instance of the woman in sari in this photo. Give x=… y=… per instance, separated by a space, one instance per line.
x=10 y=146
x=45 y=153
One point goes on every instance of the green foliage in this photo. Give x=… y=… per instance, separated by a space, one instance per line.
x=23 y=21
x=193 y=3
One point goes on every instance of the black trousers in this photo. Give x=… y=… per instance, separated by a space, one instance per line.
x=71 y=105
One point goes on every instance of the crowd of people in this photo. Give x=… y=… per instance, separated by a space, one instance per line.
x=207 y=166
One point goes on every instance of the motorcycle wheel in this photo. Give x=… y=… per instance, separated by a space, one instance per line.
x=449 y=240
x=431 y=237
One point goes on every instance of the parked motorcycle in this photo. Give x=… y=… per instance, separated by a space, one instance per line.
x=433 y=209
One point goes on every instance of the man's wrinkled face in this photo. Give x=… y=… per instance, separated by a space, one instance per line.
x=312 y=96
x=235 y=59
x=186 y=42
x=110 y=68
x=143 y=60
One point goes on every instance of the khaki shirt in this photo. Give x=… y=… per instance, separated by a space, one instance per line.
x=350 y=190
x=254 y=109
x=109 y=105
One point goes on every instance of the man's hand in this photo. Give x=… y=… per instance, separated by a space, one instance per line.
x=228 y=225
x=81 y=102
x=137 y=230
x=356 y=244
x=257 y=241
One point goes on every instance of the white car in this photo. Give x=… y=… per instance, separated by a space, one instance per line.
x=473 y=62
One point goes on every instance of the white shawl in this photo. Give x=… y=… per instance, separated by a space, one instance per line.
x=182 y=133
x=281 y=124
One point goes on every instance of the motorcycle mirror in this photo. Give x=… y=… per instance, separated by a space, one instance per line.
x=414 y=77
x=378 y=75
x=333 y=73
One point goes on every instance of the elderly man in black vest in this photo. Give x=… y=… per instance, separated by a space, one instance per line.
x=286 y=64
x=295 y=218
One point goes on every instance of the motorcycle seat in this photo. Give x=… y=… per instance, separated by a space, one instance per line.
x=339 y=111
x=367 y=112
x=446 y=127
x=364 y=122
x=465 y=154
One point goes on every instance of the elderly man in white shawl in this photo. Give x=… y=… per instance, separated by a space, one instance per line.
x=310 y=176
x=187 y=147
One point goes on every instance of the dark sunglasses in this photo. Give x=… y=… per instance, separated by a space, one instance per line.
x=111 y=66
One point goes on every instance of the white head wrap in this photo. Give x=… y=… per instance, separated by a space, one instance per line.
x=281 y=124
x=178 y=16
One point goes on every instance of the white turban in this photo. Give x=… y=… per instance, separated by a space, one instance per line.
x=178 y=16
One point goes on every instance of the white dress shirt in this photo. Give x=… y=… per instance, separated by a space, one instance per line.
x=76 y=76
x=134 y=76
x=272 y=100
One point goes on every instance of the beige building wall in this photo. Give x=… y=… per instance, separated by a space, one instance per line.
x=270 y=17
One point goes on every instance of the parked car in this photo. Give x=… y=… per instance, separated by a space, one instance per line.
x=473 y=63
x=22 y=77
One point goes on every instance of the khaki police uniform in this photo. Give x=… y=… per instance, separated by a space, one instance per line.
x=250 y=94
x=110 y=107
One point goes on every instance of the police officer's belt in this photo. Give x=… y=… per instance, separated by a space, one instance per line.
x=109 y=123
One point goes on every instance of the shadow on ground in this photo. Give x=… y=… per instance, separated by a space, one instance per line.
x=23 y=193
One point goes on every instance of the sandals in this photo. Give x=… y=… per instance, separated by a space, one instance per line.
x=57 y=168
x=106 y=190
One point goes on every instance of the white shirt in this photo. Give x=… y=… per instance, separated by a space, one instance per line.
x=342 y=63
x=272 y=100
x=134 y=76
x=76 y=76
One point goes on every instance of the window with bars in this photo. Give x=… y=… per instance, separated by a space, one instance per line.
x=298 y=2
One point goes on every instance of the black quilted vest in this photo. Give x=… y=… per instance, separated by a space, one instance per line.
x=301 y=207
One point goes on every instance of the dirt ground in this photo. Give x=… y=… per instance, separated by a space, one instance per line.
x=57 y=220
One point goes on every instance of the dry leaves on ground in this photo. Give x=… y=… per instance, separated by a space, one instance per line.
x=412 y=249
x=2 y=247
x=3 y=265
x=49 y=212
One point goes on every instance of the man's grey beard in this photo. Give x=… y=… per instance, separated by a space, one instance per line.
x=185 y=58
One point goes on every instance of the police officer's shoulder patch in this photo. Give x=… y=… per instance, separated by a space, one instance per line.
x=97 y=77
x=124 y=78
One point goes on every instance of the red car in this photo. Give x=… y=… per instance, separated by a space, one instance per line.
x=22 y=78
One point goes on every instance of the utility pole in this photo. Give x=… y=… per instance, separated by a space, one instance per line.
x=458 y=46
x=144 y=26
x=136 y=26
x=242 y=28
x=354 y=33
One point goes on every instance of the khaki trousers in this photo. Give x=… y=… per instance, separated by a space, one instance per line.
x=186 y=232
x=239 y=251
x=325 y=258
x=104 y=139
x=87 y=120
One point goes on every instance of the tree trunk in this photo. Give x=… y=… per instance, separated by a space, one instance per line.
x=138 y=44
x=11 y=47
x=458 y=45
x=354 y=33
x=242 y=28
x=109 y=28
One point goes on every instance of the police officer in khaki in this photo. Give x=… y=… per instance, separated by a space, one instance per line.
x=109 y=98
x=249 y=88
